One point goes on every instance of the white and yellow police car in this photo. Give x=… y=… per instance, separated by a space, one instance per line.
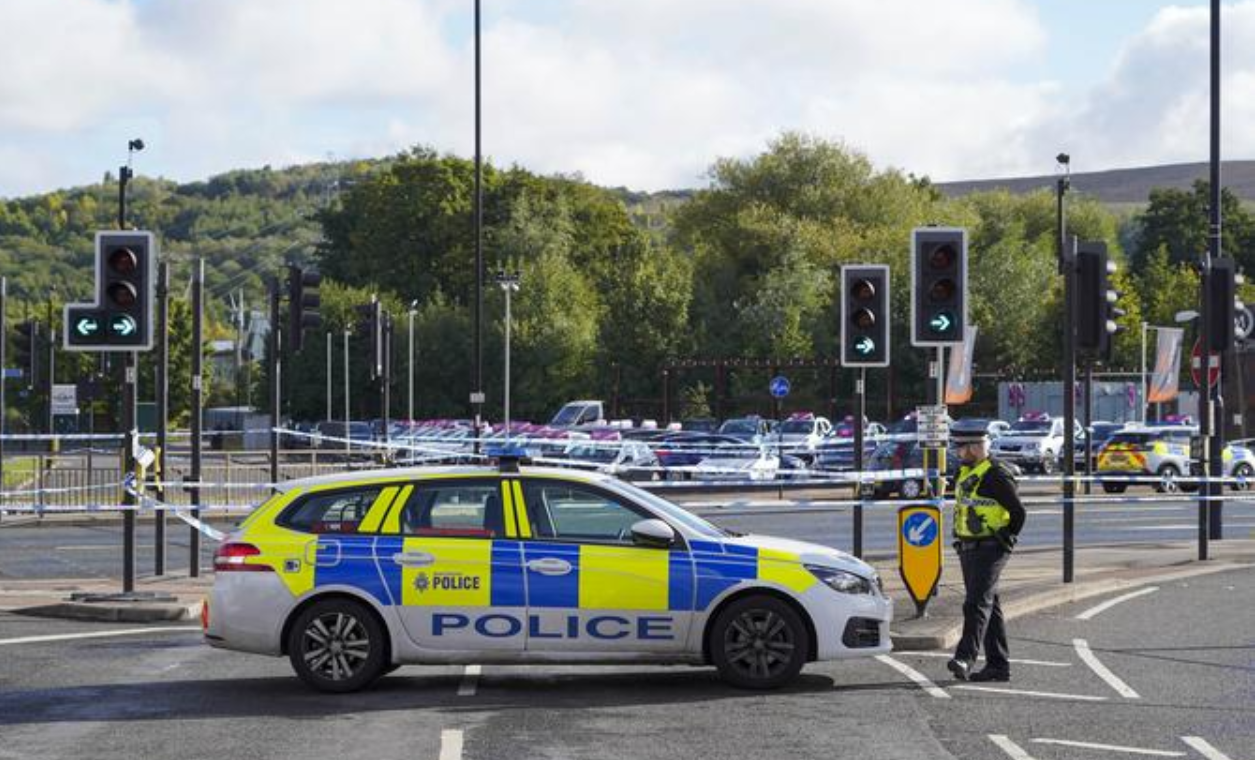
x=352 y=575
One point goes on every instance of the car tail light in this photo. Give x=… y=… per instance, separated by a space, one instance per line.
x=204 y=614
x=231 y=557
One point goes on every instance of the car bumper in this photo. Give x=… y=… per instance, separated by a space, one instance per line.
x=851 y=625
x=247 y=611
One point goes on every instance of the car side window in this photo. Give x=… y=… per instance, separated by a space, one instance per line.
x=569 y=512
x=332 y=512
x=467 y=510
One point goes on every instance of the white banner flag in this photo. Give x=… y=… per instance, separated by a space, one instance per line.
x=1163 y=384
x=959 y=374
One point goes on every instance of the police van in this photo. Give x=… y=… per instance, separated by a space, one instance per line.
x=350 y=576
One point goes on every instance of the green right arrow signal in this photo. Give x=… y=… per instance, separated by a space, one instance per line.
x=941 y=322
x=865 y=346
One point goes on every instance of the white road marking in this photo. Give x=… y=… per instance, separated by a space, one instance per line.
x=1111 y=748
x=1185 y=526
x=1025 y=693
x=1098 y=609
x=470 y=681
x=1087 y=656
x=914 y=675
x=1013 y=750
x=1203 y=748
x=1043 y=663
x=100 y=634
x=451 y=744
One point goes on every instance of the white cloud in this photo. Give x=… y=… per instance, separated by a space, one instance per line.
x=644 y=93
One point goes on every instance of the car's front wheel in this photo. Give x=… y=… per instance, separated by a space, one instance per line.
x=1242 y=474
x=759 y=642
x=1169 y=479
x=337 y=646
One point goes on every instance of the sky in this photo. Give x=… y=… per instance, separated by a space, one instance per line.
x=639 y=93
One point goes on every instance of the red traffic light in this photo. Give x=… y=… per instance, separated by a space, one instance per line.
x=942 y=257
x=123 y=261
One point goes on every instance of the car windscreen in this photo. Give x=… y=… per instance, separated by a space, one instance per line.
x=797 y=426
x=1135 y=439
x=1031 y=427
x=739 y=426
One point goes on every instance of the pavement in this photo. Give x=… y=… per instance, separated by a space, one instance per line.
x=1031 y=582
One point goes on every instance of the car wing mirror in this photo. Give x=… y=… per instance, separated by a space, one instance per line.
x=653 y=533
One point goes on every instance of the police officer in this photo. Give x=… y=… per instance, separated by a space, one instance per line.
x=988 y=516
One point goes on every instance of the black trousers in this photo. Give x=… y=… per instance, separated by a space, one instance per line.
x=982 y=564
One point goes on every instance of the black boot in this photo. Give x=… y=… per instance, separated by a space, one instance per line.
x=990 y=675
x=962 y=669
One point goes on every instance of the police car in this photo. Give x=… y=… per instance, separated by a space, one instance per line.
x=1161 y=456
x=352 y=575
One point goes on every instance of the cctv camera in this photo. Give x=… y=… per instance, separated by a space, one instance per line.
x=136 y=144
x=1063 y=158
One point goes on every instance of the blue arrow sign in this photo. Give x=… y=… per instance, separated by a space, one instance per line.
x=920 y=529
x=123 y=325
x=779 y=386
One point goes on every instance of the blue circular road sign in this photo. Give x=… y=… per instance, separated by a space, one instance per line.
x=779 y=386
x=920 y=529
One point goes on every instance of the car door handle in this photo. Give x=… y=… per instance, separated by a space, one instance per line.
x=549 y=566
x=414 y=559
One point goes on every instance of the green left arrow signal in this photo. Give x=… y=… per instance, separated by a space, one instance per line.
x=865 y=346
x=87 y=327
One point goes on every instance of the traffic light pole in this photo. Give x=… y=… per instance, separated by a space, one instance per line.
x=163 y=411
x=1067 y=264
x=129 y=384
x=1215 y=400
x=198 y=342
x=4 y=334
x=860 y=393
x=1088 y=401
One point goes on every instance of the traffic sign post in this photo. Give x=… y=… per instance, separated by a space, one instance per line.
x=919 y=552
x=779 y=386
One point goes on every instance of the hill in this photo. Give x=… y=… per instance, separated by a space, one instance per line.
x=1122 y=186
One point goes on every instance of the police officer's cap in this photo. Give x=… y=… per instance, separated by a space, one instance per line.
x=962 y=435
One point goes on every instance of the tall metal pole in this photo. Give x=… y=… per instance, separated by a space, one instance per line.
x=163 y=411
x=1067 y=264
x=409 y=364
x=198 y=343
x=1088 y=416
x=328 y=417
x=508 y=289
x=860 y=410
x=1145 y=404
x=385 y=405
x=276 y=371
x=1216 y=406
x=4 y=335
x=348 y=446
x=52 y=364
x=129 y=386
x=477 y=396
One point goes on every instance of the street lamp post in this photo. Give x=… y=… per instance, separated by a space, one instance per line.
x=509 y=284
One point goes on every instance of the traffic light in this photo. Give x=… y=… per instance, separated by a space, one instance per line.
x=26 y=349
x=120 y=319
x=865 y=315
x=939 y=286
x=303 y=303
x=1222 y=283
x=370 y=327
x=1097 y=309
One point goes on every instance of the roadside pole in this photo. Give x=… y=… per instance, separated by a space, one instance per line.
x=4 y=335
x=163 y=411
x=348 y=445
x=276 y=374
x=198 y=342
x=860 y=394
x=1215 y=397
x=1088 y=384
x=1067 y=265
x=129 y=387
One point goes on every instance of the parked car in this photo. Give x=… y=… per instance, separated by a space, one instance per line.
x=750 y=429
x=801 y=434
x=1136 y=455
x=683 y=450
x=700 y=425
x=905 y=455
x=1033 y=442
x=627 y=460
x=1097 y=436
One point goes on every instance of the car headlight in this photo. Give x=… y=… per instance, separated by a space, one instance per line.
x=841 y=580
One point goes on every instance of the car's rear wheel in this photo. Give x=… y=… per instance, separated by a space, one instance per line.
x=1243 y=473
x=759 y=642
x=1114 y=487
x=338 y=646
x=1047 y=464
x=1169 y=479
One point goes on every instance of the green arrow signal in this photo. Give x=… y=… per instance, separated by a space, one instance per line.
x=87 y=327
x=123 y=326
x=865 y=346
x=941 y=323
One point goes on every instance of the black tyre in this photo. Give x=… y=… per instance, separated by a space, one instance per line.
x=1169 y=479
x=1243 y=473
x=759 y=642
x=1047 y=464
x=1115 y=487
x=338 y=646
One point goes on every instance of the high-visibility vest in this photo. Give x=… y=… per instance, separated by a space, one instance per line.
x=976 y=516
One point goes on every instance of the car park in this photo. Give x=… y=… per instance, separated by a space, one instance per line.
x=352 y=575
